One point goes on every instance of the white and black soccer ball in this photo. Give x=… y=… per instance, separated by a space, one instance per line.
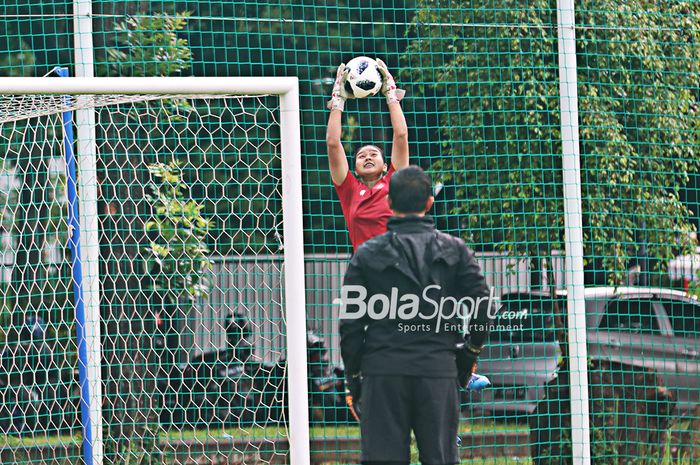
x=364 y=78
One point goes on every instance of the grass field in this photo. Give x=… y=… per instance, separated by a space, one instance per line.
x=334 y=443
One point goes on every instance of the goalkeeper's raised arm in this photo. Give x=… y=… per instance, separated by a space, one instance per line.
x=363 y=193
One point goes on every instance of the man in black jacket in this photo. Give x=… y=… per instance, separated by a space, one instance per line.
x=406 y=297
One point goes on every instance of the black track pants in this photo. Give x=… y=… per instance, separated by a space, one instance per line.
x=393 y=406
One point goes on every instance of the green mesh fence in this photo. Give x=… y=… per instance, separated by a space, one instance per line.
x=193 y=358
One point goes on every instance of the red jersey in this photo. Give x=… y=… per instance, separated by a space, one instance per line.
x=366 y=210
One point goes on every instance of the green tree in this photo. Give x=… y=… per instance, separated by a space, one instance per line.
x=496 y=72
x=35 y=46
x=144 y=45
x=177 y=257
x=150 y=46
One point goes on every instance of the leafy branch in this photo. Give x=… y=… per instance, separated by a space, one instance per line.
x=178 y=257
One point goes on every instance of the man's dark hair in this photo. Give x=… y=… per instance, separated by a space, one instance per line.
x=409 y=190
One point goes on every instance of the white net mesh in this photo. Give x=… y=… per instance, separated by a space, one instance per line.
x=21 y=107
x=192 y=311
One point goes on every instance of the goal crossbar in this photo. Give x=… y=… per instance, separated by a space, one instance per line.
x=150 y=85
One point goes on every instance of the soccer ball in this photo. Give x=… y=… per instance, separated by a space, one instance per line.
x=364 y=78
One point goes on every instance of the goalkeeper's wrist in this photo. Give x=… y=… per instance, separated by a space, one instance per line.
x=394 y=95
x=336 y=103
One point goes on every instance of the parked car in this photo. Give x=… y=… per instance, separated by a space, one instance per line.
x=654 y=328
x=520 y=357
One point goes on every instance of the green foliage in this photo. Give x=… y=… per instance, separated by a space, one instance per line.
x=496 y=72
x=177 y=259
x=17 y=64
x=151 y=46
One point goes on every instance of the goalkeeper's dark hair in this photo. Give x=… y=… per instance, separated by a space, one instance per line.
x=409 y=190
x=357 y=151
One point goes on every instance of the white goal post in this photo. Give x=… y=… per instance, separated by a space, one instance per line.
x=287 y=89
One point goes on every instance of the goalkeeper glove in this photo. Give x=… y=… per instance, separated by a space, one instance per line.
x=339 y=94
x=389 y=90
x=466 y=356
x=353 y=393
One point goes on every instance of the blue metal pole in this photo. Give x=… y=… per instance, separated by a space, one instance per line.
x=74 y=244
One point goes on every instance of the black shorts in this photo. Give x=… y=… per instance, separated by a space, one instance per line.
x=393 y=406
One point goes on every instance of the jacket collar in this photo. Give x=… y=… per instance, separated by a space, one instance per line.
x=410 y=224
x=382 y=254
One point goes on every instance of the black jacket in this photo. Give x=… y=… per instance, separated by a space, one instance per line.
x=407 y=272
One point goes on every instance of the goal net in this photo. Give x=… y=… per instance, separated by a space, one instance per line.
x=150 y=240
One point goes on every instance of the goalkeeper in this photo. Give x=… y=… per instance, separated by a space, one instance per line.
x=404 y=360
x=363 y=194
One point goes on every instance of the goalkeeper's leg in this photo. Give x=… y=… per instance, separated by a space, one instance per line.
x=385 y=422
x=436 y=420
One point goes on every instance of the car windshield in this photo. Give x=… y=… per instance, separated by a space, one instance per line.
x=631 y=315
x=524 y=320
x=684 y=315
